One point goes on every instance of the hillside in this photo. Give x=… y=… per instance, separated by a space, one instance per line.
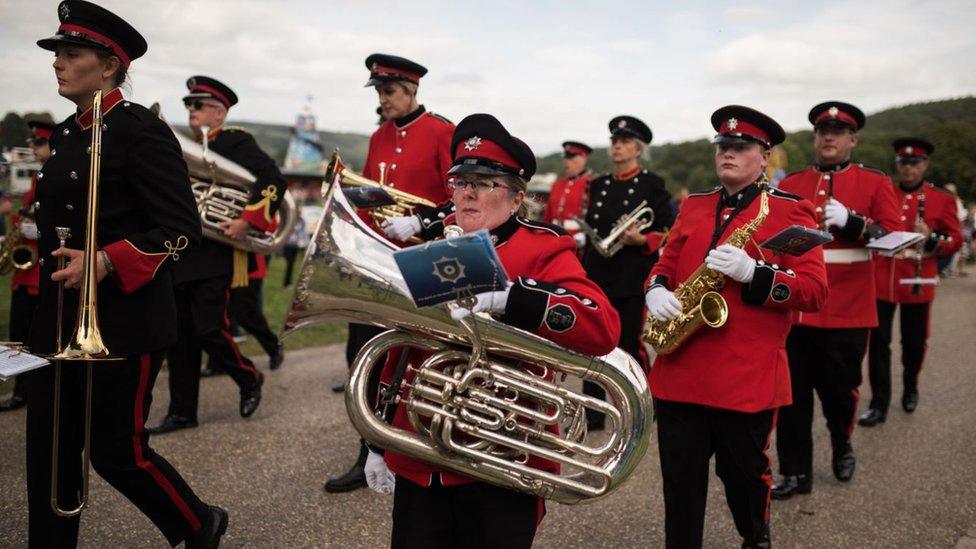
x=949 y=124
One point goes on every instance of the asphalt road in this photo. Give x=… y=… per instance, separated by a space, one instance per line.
x=915 y=484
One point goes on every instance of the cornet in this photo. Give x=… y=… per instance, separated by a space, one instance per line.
x=642 y=217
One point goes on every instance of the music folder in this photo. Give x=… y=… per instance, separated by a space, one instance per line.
x=797 y=240
x=894 y=242
x=446 y=270
x=14 y=362
x=368 y=197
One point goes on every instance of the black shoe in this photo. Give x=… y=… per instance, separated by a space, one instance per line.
x=790 y=485
x=172 y=423
x=251 y=397
x=844 y=462
x=353 y=479
x=209 y=535
x=760 y=541
x=12 y=403
x=275 y=362
x=871 y=417
x=909 y=400
x=210 y=371
x=339 y=387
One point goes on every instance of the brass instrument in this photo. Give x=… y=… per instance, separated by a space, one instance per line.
x=641 y=217
x=14 y=254
x=481 y=401
x=86 y=343
x=406 y=203
x=701 y=302
x=223 y=189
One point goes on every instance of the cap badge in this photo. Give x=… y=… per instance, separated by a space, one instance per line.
x=833 y=111
x=622 y=124
x=191 y=83
x=472 y=143
x=909 y=150
x=373 y=67
x=733 y=123
x=63 y=11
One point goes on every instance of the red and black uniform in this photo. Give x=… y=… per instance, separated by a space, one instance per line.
x=826 y=348
x=937 y=208
x=204 y=278
x=719 y=392
x=566 y=200
x=245 y=308
x=147 y=220
x=551 y=297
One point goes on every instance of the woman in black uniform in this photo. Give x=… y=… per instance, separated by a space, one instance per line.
x=146 y=217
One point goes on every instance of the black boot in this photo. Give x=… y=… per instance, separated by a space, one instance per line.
x=251 y=397
x=172 y=422
x=843 y=461
x=759 y=541
x=275 y=362
x=14 y=402
x=208 y=537
x=909 y=399
x=871 y=417
x=353 y=479
x=339 y=387
x=790 y=485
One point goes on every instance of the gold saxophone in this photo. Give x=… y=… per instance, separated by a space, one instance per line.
x=701 y=303
x=15 y=254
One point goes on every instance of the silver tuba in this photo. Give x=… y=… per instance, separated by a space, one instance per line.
x=641 y=217
x=222 y=189
x=481 y=402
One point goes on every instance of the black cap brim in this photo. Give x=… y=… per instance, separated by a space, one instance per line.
x=627 y=132
x=52 y=43
x=836 y=124
x=728 y=138
x=377 y=80
x=475 y=169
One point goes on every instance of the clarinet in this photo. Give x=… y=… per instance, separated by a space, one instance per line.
x=920 y=247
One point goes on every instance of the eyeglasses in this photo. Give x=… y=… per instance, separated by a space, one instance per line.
x=196 y=105
x=37 y=141
x=480 y=186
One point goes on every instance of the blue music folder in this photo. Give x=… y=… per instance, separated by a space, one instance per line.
x=441 y=271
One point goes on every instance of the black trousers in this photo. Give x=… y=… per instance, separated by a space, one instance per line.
x=22 y=306
x=203 y=325
x=245 y=308
x=291 y=255
x=467 y=516
x=914 y=333
x=688 y=435
x=120 y=452
x=359 y=335
x=631 y=311
x=827 y=361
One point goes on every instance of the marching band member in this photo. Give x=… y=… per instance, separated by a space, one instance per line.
x=932 y=212
x=204 y=276
x=621 y=276
x=147 y=218
x=568 y=192
x=826 y=348
x=550 y=296
x=719 y=392
x=410 y=151
x=24 y=284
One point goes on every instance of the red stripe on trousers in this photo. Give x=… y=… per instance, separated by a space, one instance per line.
x=857 y=398
x=148 y=466
x=230 y=339
x=767 y=475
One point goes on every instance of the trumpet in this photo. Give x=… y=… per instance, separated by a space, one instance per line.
x=406 y=203
x=642 y=217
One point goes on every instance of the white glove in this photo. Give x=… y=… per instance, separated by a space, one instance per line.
x=401 y=228
x=732 y=262
x=662 y=304
x=378 y=475
x=28 y=229
x=490 y=302
x=835 y=214
x=580 y=239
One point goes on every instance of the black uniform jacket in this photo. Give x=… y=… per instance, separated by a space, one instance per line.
x=147 y=219
x=623 y=275
x=213 y=258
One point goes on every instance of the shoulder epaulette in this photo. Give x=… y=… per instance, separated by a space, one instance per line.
x=785 y=195
x=704 y=193
x=870 y=169
x=234 y=129
x=441 y=118
x=943 y=191
x=539 y=225
x=795 y=172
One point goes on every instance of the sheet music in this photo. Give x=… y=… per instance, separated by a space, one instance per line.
x=14 y=362
x=894 y=242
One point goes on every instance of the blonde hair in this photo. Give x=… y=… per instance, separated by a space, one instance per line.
x=409 y=88
x=520 y=185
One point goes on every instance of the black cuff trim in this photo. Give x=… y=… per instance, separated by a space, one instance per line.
x=526 y=307
x=432 y=220
x=874 y=231
x=757 y=291
x=854 y=227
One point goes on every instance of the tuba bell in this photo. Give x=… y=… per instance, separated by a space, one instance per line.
x=482 y=400
x=222 y=189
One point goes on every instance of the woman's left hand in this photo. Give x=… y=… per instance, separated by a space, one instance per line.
x=236 y=229
x=73 y=271
x=633 y=237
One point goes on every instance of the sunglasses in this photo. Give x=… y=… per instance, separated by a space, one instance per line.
x=37 y=141
x=197 y=105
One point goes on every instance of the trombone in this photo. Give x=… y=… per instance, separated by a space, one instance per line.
x=86 y=343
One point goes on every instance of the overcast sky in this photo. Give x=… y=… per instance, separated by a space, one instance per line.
x=548 y=70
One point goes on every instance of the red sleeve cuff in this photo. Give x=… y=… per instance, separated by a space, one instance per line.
x=654 y=240
x=133 y=267
x=259 y=220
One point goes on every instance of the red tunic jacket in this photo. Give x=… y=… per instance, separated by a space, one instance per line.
x=551 y=297
x=742 y=365
x=868 y=194
x=31 y=277
x=566 y=200
x=941 y=217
